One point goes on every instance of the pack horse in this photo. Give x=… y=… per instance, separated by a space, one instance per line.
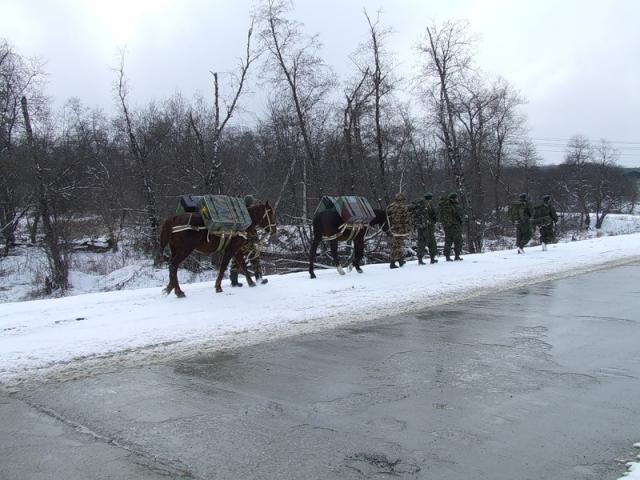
x=345 y=218
x=213 y=223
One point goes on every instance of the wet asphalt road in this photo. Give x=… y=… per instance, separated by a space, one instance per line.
x=535 y=383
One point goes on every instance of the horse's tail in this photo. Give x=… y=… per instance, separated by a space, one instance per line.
x=165 y=234
x=317 y=227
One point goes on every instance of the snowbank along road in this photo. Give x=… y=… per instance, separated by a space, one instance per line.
x=82 y=335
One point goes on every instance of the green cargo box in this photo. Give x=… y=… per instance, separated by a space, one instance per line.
x=223 y=213
x=351 y=208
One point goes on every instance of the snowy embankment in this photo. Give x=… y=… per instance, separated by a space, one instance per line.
x=62 y=338
x=633 y=472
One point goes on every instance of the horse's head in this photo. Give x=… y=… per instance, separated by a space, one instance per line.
x=380 y=220
x=263 y=216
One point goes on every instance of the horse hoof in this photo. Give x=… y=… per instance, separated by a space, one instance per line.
x=359 y=270
x=180 y=294
x=252 y=284
x=218 y=289
x=313 y=275
x=340 y=270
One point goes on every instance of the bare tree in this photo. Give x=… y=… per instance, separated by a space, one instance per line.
x=18 y=77
x=210 y=160
x=506 y=126
x=56 y=252
x=447 y=59
x=296 y=67
x=356 y=100
x=526 y=159
x=579 y=152
x=381 y=86
x=140 y=154
x=607 y=181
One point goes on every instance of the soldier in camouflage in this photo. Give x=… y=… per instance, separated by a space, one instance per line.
x=424 y=217
x=521 y=215
x=250 y=251
x=452 y=217
x=399 y=229
x=545 y=216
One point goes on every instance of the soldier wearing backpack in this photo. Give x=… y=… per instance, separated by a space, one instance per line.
x=424 y=217
x=521 y=213
x=545 y=216
x=452 y=217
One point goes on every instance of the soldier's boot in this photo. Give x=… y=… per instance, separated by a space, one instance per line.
x=520 y=250
x=458 y=258
x=448 y=257
x=434 y=260
x=401 y=262
x=420 y=262
x=260 y=278
x=393 y=265
x=233 y=276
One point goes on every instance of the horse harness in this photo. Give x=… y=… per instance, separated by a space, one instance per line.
x=355 y=229
x=225 y=235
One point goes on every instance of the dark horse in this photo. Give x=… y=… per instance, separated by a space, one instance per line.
x=328 y=226
x=195 y=236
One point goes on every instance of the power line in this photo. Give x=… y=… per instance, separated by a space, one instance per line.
x=566 y=140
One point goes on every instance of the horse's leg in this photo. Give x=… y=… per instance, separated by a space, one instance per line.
x=176 y=259
x=224 y=263
x=312 y=255
x=239 y=256
x=171 y=285
x=239 y=249
x=358 y=251
x=334 y=254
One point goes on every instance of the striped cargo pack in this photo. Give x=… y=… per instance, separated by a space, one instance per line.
x=351 y=208
x=222 y=213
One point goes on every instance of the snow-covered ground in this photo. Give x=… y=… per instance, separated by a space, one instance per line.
x=84 y=334
x=633 y=472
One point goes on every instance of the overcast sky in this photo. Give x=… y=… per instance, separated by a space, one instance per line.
x=576 y=62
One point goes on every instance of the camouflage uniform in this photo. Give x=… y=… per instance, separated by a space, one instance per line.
x=399 y=228
x=424 y=217
x=250 y=251
x=523 y=221
x=452 y=217
x=545 y=216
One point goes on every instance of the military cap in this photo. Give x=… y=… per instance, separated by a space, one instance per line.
x=523 y=196
x=546 y=198
x=453 y=195
x=428 y=196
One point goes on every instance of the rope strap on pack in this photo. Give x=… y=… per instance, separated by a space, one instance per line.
x=354 y=227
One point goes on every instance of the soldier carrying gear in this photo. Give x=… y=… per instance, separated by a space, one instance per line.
x=424 y=217
x=521 y=213
x=545 y=216
x=250 y=251
x=452 y=217
x=399 y=229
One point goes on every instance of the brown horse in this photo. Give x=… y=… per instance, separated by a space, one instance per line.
x=328 y=226
x=197 y=237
